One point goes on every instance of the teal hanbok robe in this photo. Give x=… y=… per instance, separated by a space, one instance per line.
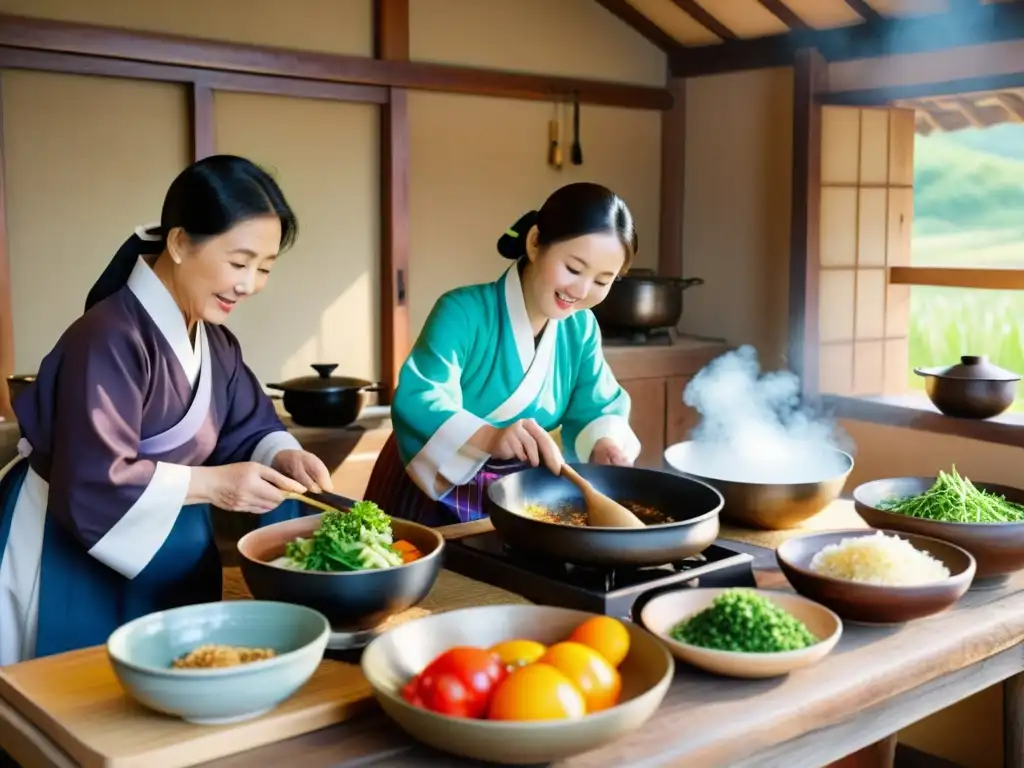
x=477 y=362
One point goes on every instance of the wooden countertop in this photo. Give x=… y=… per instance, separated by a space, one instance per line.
x=712 y=721
x=874 y=681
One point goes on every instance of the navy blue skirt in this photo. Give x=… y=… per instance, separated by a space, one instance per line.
x=82 y=601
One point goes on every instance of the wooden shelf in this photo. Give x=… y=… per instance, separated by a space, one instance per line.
x=916 y=412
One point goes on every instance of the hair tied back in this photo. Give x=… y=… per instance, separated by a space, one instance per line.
x=512 y=244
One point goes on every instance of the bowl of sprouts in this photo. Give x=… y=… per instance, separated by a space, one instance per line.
x=985 y=519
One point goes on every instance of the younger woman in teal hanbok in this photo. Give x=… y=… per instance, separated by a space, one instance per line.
x=499 y=366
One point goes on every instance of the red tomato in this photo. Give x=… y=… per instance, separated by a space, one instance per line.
x=458 y=683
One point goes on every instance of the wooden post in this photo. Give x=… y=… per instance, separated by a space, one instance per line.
x=673 y=181
x=6 y=294
x=392 y=44
x=809 y=79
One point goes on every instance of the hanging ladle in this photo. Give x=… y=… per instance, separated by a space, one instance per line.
x=602 y=512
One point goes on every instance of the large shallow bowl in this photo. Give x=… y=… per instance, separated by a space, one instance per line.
x=141 y=653
x=768 y=506
x=997 y=547
x=692 y=505
x=394 y=657
x=353 y=601
x=668 y=609
x=869 y=603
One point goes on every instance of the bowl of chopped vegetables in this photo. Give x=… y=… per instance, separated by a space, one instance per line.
x=751 y=633
x=984 y=518
x=877 y=577
x=357 y=567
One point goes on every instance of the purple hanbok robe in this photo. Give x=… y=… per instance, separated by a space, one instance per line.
x=94 y=530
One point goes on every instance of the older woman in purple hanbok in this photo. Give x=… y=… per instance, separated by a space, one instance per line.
x=142 y=417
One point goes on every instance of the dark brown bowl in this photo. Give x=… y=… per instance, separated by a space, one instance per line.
x=997 y=547
x=969 y=398
x=353 y=601
x=870 y=603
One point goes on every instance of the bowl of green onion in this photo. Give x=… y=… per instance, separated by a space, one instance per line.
x=741 y=632
x=985 y=519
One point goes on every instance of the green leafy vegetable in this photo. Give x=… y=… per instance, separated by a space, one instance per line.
x=955 y=499
x=358 y=540
x=744 y=621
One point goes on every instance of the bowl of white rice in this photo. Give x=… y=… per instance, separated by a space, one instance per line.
x=877 y=576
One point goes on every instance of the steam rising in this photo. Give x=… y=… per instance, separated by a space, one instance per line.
x=755 y=428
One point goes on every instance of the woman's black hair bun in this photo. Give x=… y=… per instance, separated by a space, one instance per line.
x=512 y=244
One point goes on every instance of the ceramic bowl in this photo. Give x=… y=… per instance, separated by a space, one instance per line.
x=668 y=609
x=141 y=653
x=997 y=547
x=870 y=603
x=394 y=657
x=762 y=505
x=352 y=601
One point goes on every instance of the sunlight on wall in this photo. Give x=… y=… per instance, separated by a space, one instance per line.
x=355 y=302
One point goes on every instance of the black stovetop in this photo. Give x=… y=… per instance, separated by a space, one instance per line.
x=619 y=592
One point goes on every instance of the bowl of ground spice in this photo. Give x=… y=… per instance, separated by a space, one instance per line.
x=218 y=663
x=749 y=633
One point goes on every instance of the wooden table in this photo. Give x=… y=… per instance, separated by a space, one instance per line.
x=877 y=681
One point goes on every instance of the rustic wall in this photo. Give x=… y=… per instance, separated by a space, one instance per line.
x=476 y=163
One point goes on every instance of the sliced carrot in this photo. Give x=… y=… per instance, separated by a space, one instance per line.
x=408 y=551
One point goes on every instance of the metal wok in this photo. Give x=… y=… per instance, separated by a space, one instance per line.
x=693 y=505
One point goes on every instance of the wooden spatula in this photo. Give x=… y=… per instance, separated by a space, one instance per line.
x=602 y=512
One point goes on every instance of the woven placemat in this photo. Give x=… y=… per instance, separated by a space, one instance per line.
x=451 y=591
x=837 y=516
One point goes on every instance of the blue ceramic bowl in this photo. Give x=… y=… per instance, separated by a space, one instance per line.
x=141 y=653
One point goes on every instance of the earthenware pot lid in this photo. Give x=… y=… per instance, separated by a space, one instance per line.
x=972 y=367
x=323 y=381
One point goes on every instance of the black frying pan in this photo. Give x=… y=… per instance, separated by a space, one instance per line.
x=693 y=505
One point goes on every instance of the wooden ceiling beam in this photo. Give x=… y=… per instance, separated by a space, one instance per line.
x=640 y=23
x=865 y=11
x=987 y=23
x=701 y=15
x=785 y=14
x=113 y=44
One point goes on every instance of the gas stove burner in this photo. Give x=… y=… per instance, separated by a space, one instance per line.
x=620 y=592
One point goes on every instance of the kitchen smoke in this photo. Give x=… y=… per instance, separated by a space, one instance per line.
x=755 y=428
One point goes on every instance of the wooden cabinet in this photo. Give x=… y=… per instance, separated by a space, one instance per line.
x=655 y=378
x=648 y=418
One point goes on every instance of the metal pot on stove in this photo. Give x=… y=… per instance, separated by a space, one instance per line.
x=325 y=400
x=641 y=301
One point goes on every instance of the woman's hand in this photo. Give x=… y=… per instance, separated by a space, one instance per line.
x=244 y=487
x=605 y=451
x=305 y=468
x=526 y=440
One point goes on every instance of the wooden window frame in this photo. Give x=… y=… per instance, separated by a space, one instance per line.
x=812 y=79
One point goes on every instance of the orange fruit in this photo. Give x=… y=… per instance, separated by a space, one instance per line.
x=598 y=681
x=518 y=653
x=606 y=635
x=536 y=692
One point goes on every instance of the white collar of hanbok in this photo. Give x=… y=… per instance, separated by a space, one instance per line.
x=515 y=303
x=164 y=310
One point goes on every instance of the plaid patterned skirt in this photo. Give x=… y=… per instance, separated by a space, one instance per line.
x=393 y=490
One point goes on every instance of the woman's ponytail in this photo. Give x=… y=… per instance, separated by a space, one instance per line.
x=512 y=244
x=144 y=241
